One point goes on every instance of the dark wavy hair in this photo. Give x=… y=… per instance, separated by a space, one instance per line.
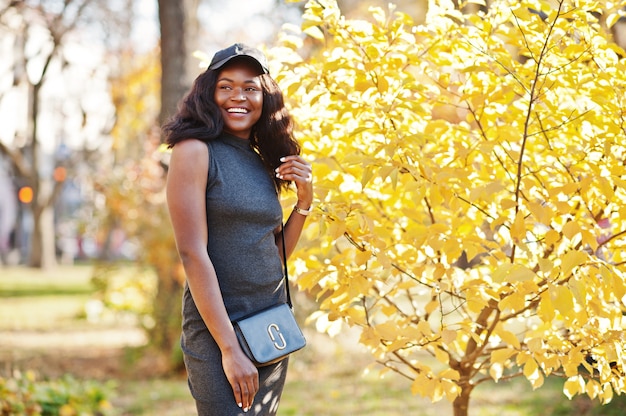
x=198 y=117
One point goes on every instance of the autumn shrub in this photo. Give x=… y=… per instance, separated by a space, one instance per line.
x=24 y=395
x=470 y=189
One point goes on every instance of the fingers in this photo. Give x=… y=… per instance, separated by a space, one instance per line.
x=245 y=392
x=298 y=170
x=294 y=168
x=244 y=380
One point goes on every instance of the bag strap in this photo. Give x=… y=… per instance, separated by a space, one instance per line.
x=282 y=232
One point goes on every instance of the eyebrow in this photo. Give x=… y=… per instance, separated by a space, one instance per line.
x=248 y=81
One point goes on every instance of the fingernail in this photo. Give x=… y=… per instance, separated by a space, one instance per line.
x=282 y=159
x=239 y=404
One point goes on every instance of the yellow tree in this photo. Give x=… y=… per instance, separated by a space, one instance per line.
x=134 y=191
x=471 y=177
x=135 y=197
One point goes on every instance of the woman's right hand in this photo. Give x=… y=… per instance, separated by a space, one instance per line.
x=243 y=377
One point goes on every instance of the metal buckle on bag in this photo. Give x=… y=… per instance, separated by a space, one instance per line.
x=274 y=329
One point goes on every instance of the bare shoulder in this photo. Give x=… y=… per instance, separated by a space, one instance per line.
x=189 y=153
x=190 y=147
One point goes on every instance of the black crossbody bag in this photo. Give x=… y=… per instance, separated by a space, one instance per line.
x=270 y=335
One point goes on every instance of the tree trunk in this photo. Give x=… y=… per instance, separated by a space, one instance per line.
x=43 y=254
x=173 y=56
x=178 y=23
x=42 y=247
x=165 y=335
x=461 y=403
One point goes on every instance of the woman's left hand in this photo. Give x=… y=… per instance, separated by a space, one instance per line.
x=298 y=170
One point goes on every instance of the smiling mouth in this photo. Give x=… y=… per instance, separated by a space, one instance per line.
x=237 y=110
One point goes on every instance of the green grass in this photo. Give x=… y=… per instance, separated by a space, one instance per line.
x=355 y=394
x=41 y=312
x=61 y=280
x=165 y=397
x=42 y=300
x=325 y=379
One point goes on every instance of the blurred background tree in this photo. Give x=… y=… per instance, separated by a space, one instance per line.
x=44 y=53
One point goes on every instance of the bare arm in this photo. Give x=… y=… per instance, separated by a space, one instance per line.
x=186 y=185
x=298 y=170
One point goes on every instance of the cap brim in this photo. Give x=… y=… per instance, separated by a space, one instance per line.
x=219 y=64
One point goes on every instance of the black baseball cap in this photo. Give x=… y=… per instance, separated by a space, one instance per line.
x=238 y=50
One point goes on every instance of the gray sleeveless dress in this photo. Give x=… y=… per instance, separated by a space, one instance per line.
x=243 y=211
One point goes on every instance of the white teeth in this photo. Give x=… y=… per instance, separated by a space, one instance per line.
x=237 y=110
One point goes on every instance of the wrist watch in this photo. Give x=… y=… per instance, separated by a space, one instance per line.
x=301 y=211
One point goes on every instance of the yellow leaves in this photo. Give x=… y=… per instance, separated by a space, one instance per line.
x=356 y=315
x=442 y=355
x=369 y=337
x=320 y=11
x=572 y=361
x=67 y=410
x=507 y=336
x=532 y=373
x=571 y=229
x=486 y=191
x=387 y=330
x=315 y=32
x=431 y=306
x=424 y=329
x=613 y=18
x=518 y=227
x=500 y=360
x=496 y=370
x=563 y=301
x=448 y=336
x=571 y=260
x=449 y=374
x=552 y=237
x=511 y=272
x=513 y=302
x=502 y=355
x=133 y=92
x=308 y=279
x=477 y=299
x=336 y=229
x=434 y=387
x=545 y=309
x=573 y=386
x=437 y=142
x=576 y=385
x=615 y=282
x=542 y=213
x=593 y=389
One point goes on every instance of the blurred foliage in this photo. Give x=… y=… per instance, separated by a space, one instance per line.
x=24 y=395
x=125 y=292
x=471 y=189
x=134 y=191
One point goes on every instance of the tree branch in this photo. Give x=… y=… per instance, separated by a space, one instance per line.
x=18 y=160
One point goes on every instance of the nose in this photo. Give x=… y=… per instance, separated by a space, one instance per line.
x=238 y=94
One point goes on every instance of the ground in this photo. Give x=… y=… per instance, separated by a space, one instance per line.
x=45 y=327
x=94 y=354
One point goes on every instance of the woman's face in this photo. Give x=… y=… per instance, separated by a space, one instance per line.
x=239 y=96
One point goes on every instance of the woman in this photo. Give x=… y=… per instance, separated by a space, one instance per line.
x=232 y=153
